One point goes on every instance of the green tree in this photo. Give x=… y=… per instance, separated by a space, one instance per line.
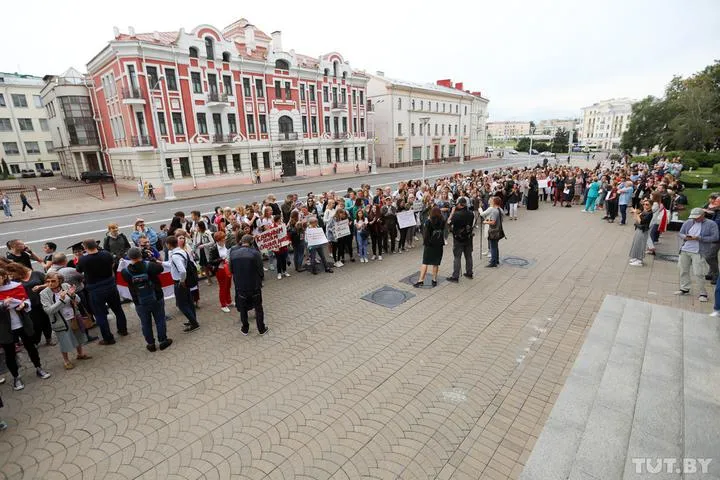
x=523 y=144
x=560 y=141
x=648 y=125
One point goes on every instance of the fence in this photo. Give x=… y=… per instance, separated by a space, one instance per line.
x=41 y=194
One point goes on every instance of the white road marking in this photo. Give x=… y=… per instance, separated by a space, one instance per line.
x=73 y=223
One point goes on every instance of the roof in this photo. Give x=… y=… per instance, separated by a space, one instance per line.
x=164 y=38
x=424 y=86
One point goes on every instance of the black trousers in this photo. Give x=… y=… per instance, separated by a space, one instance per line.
x=377 y=243
x=11 y=356
x=246 y=301
x=41 y=324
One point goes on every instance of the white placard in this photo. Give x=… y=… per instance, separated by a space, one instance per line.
x=543 y=183
x=406 y=219
x=315 y=237
x=417 y=206
x=341 y=228
x=272 y=239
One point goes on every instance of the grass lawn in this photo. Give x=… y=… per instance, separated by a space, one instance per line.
x=697 y=197
x=697 y=176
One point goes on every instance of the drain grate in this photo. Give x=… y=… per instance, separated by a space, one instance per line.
x=410 y=280
x=667 y=257
x=388 y=297
x=517 y=262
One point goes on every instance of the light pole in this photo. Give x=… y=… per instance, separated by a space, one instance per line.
x=160 y=145
x=424 y=121
x=532 y=132
x=373 y=165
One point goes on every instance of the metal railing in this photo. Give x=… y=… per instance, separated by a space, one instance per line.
x=84 y=141
x=140 y=141
x=222 y=138
x=339 y=135
x=339 y=104
x=287 y=136
x=133 y=93
x=217 y=97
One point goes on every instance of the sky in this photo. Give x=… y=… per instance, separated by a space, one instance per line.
x=533 y=59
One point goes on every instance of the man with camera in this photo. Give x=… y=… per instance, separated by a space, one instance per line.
x=461 y=222
x=149 y=253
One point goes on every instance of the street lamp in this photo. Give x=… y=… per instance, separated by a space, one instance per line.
x=424 y=121
x=373 y=165
x=532 y=132
x=167 y=184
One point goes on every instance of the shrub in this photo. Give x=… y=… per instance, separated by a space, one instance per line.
x=716 y=169
x=689 y=163
x=615 y=156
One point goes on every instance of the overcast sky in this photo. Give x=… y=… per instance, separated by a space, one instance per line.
x=532 y=59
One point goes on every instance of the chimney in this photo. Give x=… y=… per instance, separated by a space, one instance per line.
x=445 y=83
x=116 y=32
x=250 y=37
x=131 y=31
x=459 y=86
x=277 y=41
x=380 y=73
x=156 y=36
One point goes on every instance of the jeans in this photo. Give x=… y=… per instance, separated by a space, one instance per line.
x=460 y=249
x=711 y=258
x=298 y=255
x=245 y=301
x=148 y=313
x=623 y=214
x=26 y=204
x=184 y=302
x=362 y=245
x=102 y=293
x=590 y=204
x=318 y=251
x=11 y=355
x=493 y=246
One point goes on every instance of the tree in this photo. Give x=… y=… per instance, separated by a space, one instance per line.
x=560 y=141
x=648 y=124
x=523 y=144
x=541 y=146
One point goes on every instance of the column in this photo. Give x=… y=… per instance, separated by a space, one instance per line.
x=84 y=162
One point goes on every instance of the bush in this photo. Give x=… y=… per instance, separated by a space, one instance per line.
x=703 y=159
x=689 y=163
x=615 y=156
x=716 y=169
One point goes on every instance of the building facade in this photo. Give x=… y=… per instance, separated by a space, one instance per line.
x=604 y=123
x=508 y=129
x=73 y=128
x=215 y=107
x=432 y=122
x=24 y=127
x=550 y=127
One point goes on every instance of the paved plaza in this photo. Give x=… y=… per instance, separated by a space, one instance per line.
x=455 y=383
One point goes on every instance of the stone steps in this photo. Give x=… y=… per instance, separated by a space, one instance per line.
x=646 y=384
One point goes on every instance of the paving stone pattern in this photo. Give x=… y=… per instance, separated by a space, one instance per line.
x=455 y=383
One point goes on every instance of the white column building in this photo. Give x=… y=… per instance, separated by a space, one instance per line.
x=604 y=123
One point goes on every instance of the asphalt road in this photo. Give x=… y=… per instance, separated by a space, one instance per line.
x=66 y=230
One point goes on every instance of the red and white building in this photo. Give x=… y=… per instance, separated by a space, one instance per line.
x=213 y=107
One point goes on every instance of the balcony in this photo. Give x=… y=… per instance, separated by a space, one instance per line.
x=75 y=141
x=133 y=96
x=287 y=136
x=141 y=141
x=339 y=135
x=222 y=138
x=216 y=99
x=339 y=106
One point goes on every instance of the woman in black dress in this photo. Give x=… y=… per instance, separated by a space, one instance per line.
x=433 y=242
x=532 y=202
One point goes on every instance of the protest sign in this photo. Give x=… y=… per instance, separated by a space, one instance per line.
x=417 y=206
x=406 y=219
x=315 y=237
x=272 y=239
x=543 y=183
x=342 y=228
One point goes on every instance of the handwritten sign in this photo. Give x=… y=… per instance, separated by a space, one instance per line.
x=406 y=219
x=315 y=237
x=543 y=183
x=342 y=228
x=417 y=206
x=272 y=239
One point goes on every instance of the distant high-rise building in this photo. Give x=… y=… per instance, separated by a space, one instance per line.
x=604 y=123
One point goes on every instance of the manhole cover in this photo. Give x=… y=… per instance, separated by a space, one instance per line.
x=667 y=257
x=516 y=262
x=410 y=280
x=388 y=297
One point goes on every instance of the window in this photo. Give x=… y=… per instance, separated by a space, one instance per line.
x=315 y=157
x=456 y=108
x=437 y=107
x=355 y=125
x=11 y=148
x=246 y=87
x=335 y=69
x=153 y=77
x=14 y=168
x=343 y=96
x=169 y=168
x=217 y=123
x=412 y=102
x=313 y=124
x=266 y=159
x=55 y=166
x=326 y=97
x=355 y=153
x=259 y=90
x=185 y=167
x=312 y=94
x=222 y=163
x=25 y=124
x=362 y=125
x=362 y=153
x=288 y=91
x=278 y=90
x=400 y=155
x=263 y=123
x=250 y=124
x=32 y=147
x=170 y=79
x=354 y=95
x=227 y=85
x=436 y=129
x=207 y=164
x=443 y=129
x=456 y=129
x=326 y=72
x=49 y=147
x=196 y=82
x=178 y=123
x=304 y=124
x=209 y=50
x=334 y=94
x=161 y=123
x=345 y=154
x=361 y=97
x=37 y=101
x=464 y=129
x=399 y=129
x=202 y=124
x=193 y=52
x=226 y=57
x=282 y=64
x=302 y=92
x=212 y=83
x=416 y=153
x=399 y=103
x=344 y=124
x=328 y=155
x=421 y=129
x=2 y=100
x=232 y=124
x=337 y=154
x=451 y=150
x=327 y=124
x=307 y=156
x=422 y=105
x=237 y=164
x=443 y=108
x=412 y=129
x=19 y=100
x=254 y=161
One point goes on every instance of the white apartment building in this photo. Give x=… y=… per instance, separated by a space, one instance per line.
x=604 y=123
x=508 y=129
x=412 y=122
x=24 y=127
x=550 y=127
x=72 y=125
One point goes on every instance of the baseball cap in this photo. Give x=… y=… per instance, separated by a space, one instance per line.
x=696 y=213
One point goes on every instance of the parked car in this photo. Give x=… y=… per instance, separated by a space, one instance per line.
x=96 y=176
x=28 y=173
x=547 y=154
x=533 y=152
x=489 y=149
x=512 y=151
x=45 y=172
x=577 y=148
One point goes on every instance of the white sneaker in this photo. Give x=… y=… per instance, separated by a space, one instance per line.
x=225 y=309
x=380 y=257
x=374 y=257
x=637 y=263
x=265 y=269
x=286 y=274
x=583 y=210
x=716 y=313
x=485 y=253
x=279 y=276
x=336 y=264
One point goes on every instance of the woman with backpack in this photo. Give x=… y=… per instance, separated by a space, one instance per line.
x=433 y=243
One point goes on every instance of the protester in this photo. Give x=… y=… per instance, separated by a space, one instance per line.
x=642 y=228
x=247 y=271
x=20 y=253
x=697 y=236
x=316 y=250
x=33 y=282
x=141 y=229
x=493 y=218
x=184 y=275
x=461 y=222
x=116 y=243
x=217 y=262
x=362 y=234
x=433 y=243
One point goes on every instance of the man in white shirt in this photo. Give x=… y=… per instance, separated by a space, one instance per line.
x=184 y=275
x=697 y=235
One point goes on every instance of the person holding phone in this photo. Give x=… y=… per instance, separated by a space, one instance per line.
x=697 y=236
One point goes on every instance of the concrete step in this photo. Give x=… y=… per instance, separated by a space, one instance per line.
x=645 y=385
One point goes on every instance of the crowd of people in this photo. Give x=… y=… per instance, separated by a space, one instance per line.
x=60 y=298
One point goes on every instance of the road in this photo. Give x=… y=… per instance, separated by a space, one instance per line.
x=66 y=230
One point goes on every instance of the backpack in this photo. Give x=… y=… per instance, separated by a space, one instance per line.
x=463 y=234
x=191 y=273
x=142 y=285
